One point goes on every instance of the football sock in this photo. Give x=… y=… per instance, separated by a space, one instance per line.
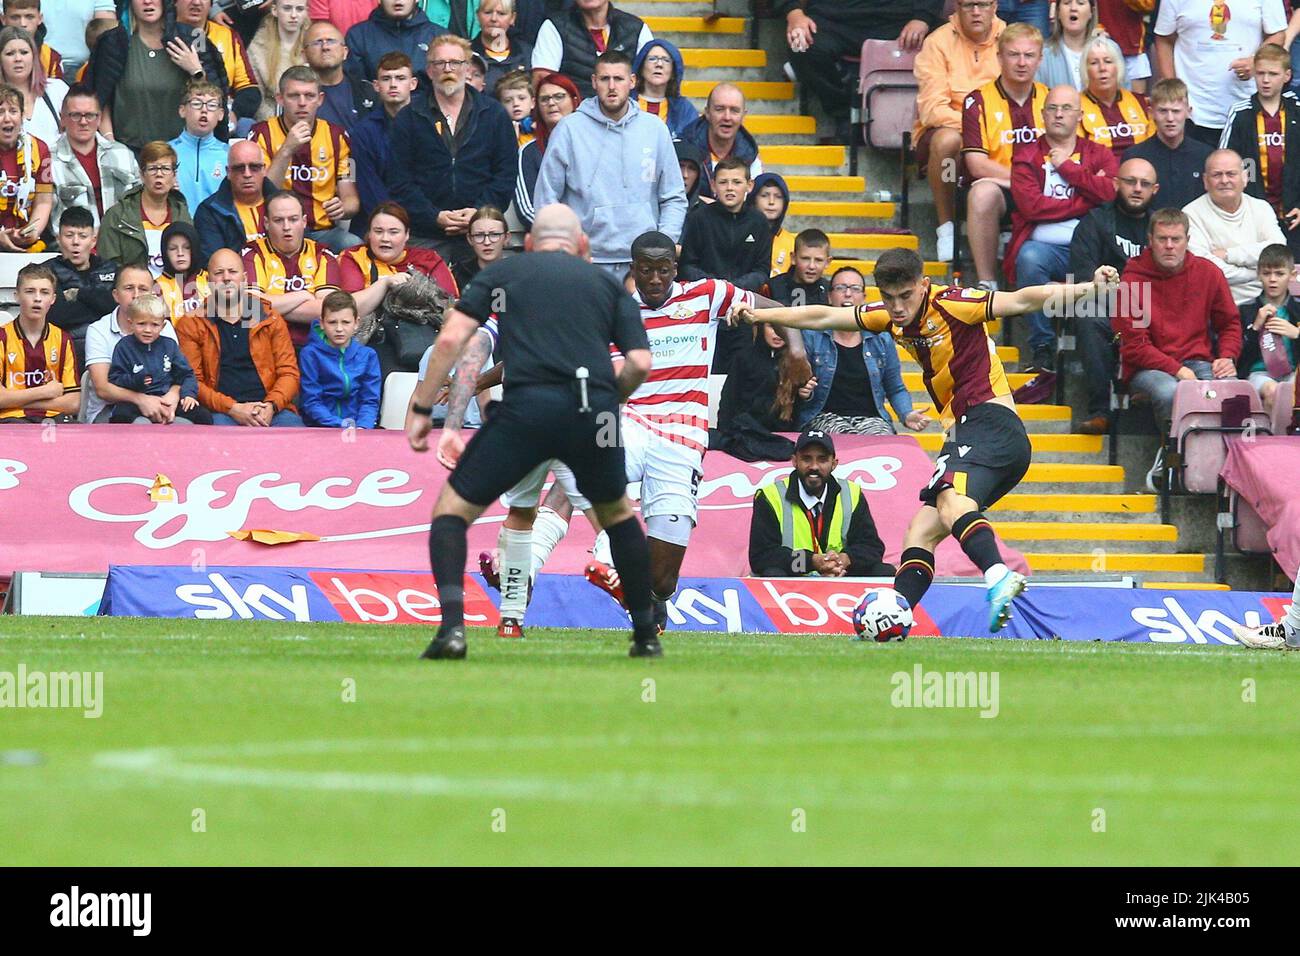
x=915 y=572
x=1292 y=618
x=975 y=535
x=632 y=558
x=516 y=549
x=601 y=550
x=548 y=531
x=447 y=552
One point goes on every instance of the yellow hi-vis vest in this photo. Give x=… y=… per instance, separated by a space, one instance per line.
x=797 y=534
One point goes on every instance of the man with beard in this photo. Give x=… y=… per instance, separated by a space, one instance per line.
x=810 y=523
x=1109 y=235
x=452 y=152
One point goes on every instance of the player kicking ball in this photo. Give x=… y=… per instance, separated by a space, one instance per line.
x=986 y=451
x=1283 y=635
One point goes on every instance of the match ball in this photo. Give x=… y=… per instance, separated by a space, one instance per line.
x=882 y=615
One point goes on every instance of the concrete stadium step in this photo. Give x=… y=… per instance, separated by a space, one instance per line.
x=935 y=270
x=1111 y=562
x=830 y=157
x=762 y=124
x=1107 y=508
x=722 y=26
x=871 y=240
x=753 y=90
x=709 y=58
x=1054 y=537
x=840 y=209
x=667 y=8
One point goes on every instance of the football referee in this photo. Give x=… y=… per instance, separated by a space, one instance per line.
x=557 y=314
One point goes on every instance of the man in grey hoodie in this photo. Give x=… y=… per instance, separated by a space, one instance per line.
x=615 y=167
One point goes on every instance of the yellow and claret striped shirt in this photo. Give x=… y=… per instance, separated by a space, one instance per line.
x=315 y=169
x=253 y=219
x=313 y=269
x=51 y=62
x=24 y=174
x=996 y=125
x=239 y=70
x=24 y=365
x=1119 y=125
x=959 y=362
x=181 y=299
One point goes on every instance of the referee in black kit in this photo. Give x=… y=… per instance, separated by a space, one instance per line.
x=557 y=316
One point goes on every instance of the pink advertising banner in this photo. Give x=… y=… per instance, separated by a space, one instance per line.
x=78 y=497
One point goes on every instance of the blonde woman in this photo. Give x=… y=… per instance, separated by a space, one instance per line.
x=20 y=67
x=1076 y=23
x=276 y=46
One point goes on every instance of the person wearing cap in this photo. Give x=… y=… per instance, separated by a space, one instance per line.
x=811 y=523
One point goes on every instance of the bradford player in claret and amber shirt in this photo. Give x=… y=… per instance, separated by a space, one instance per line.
x=986 y=451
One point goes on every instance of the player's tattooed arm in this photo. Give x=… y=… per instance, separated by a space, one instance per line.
x=465 y=384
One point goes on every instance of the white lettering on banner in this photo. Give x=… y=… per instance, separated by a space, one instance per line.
x=9 y=472
x=872 y=474
x=696 y=603
x=411 y=600
x=1209 y=624
x=813 y=613
x=253 y=598
x=202 y=519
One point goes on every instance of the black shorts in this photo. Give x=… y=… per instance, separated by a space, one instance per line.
x=986 y=455
x=536 y=424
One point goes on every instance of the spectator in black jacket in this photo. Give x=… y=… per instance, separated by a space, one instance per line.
x=764 y=381
x=1273 y=118
x=453 y=152
x=804 y=283
x=498 y=42
x=1179 y=159
x=691 y=160
x=728 y=240
x=235 y=214
x=798 y=524
x=822 y=33
x=556 y=98
x=139 y=76
x=84 y=289
x=1109 y=235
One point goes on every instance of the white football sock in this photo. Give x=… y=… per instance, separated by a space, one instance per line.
x=548 y=531
x=994 y=574
x=516 y=559
x=600 y=550
x=1292 y=619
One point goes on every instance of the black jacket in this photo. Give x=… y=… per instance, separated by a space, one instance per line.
x=751 y=387
x=579 y=60
x=718 y=244
x=1240 y=135
x=782 y=288
x=1178 y=171
x=94 y=293
x=884 y=18
x=767 y=558
x=426 y=178
x=1106 y=236
x=219 y=225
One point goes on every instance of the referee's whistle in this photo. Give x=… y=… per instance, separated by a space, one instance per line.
x=581 y=373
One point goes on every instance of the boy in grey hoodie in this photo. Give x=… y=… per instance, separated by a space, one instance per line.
x=615 y=167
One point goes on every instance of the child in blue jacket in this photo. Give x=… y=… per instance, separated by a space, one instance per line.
x=340 y=376
x=149 y=364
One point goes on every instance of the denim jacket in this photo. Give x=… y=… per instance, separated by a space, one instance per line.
x=881 y=357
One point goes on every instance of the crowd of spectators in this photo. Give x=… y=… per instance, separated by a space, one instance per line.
x=269 y=180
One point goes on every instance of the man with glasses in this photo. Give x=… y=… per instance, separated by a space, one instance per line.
x=615 y=167
x=821 y=33
x=200 y=156
x=1054 y=182
x=235 y=214
x=310 y=157
x=394 y=26
x=955 y=60
x=1110 y=235
x=88 y=169
x=245 y=94
x=854 y=374
x=453 y=151
x=347 y=97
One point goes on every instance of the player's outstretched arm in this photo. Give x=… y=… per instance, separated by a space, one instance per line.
x=1033 y=298
x=825 y=317
x=792 y=337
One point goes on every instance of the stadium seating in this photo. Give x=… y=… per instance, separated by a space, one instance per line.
x=887 y=110
x=1283 y=408
x=10 y=263
x=1206 y=416
x=398 y=388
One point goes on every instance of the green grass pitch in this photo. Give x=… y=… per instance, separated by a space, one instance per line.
x=232 y=743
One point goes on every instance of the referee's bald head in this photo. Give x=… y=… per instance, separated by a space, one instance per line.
x=654 y=245
x=556 y=228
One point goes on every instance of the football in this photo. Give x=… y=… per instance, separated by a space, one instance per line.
x=882 y=615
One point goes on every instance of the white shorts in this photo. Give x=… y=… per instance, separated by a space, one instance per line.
x=528 y=492
x=669 y=473
x=1137 y=67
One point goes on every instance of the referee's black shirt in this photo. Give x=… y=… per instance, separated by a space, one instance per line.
x=555 y=312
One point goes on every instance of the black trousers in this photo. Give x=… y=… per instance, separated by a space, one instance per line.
x=822 y=68
x=1095 y=340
